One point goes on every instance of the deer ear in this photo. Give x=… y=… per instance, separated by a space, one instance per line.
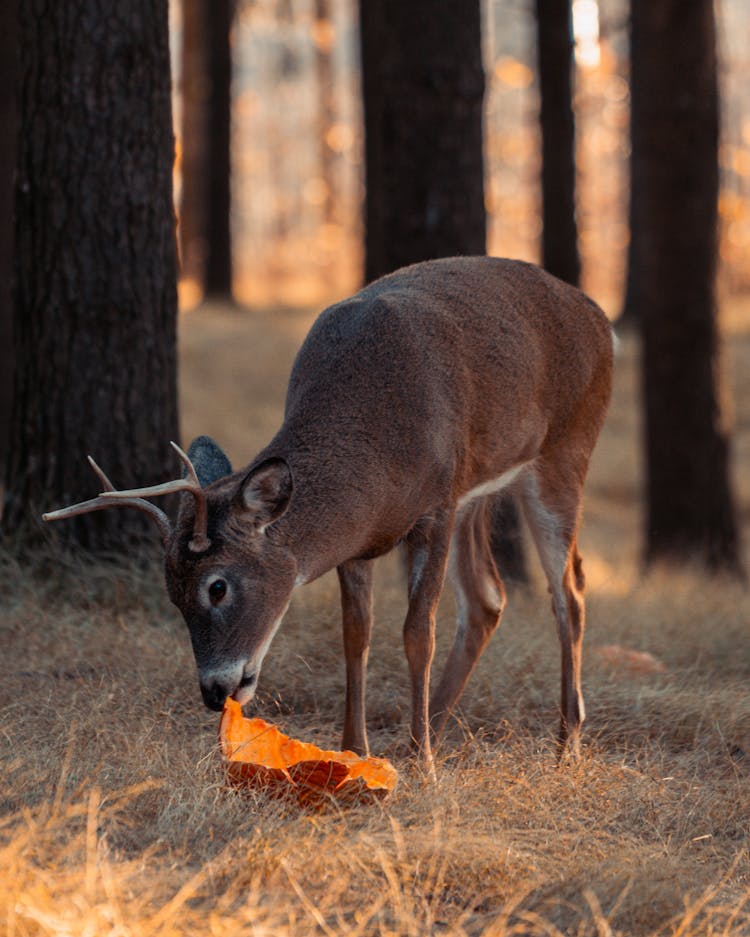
x=209 y=460
x=265 y=491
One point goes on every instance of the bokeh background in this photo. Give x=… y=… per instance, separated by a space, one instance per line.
x=297 y=215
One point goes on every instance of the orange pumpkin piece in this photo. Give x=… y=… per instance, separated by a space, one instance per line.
x=260 y=755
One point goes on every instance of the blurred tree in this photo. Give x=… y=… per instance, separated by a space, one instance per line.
x=629 y=314
x=555 y=65
x=324 y=36
x=628 y=317
x=285 y=70
x=675 y=131
x=9 y=123
x=423 y=85
x=205 y=230
x=95 y=269
x=423 y=90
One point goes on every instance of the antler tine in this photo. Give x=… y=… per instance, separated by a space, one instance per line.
x=185 y=459
x=108 y=486
x=100 y=503
x=191 y=484
x=200 y=539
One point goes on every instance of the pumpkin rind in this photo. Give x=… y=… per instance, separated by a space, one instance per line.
x=260 y=755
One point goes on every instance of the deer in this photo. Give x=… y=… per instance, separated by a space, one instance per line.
x=408 y=407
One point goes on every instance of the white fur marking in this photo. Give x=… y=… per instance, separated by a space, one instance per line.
x=459 y=596
x=462 y=609
x=228 y=675
x=206 y=582
x=418 y=560
x=549 y=532
x=244 y=694
x=491 y=593
x=494 y=484
x=552 y=551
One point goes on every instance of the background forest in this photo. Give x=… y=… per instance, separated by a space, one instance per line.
x=298 y=152
x=183 y=187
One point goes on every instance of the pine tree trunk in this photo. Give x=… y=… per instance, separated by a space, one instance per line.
x=218 y=276
x=326 y=103
x=95 y=304
x=194 y=87
x=423 y=85
x=9 y=123
x=675 y=126
x=629 y=315
x=555 y=62
x=205 y=228
x=423 y=89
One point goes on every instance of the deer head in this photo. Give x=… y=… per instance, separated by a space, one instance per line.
x=227 y=570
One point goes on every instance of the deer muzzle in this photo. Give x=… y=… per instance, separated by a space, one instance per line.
x=219 y=683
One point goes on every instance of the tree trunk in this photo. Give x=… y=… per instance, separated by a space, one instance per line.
x=326 y=103
x=96 y=299
x=628 y=317
x=555 y=63
x=423 y=85
x=675 y=126
x=423 y=89
x=9 y=123
x=205 y=224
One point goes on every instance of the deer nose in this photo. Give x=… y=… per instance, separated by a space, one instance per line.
x=219 y=681
x=215 y=693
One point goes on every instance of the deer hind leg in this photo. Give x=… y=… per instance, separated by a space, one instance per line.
x=427 y=558
x=552 y=503
x=480 y=599
x=355 y=580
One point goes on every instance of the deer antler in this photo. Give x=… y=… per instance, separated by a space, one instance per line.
x=191 y=484
x=134 y=498
x=100 y=503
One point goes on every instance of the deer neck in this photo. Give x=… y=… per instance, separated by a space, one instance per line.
x=330 y=514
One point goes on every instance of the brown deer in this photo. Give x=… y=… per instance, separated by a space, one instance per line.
x=407 y=406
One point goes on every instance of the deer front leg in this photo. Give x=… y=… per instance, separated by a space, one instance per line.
x=355 y=580
x=427 y=551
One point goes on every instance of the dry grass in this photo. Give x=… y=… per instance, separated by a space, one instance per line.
x=116 y=820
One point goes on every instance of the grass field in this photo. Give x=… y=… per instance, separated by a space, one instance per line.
x=115 y=818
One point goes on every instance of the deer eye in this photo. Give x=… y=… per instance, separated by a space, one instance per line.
x=217 y=590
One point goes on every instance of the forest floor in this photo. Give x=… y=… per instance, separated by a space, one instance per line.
x=115 y=817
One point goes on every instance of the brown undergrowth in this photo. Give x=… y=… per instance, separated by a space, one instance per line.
x=115 y=818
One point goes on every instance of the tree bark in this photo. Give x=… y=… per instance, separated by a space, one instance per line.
x=555 y=63
x=423 y=90
x=675 y=129
x=96 y=299
x=423 y=86
x=205 y=222
x=326 y=103
x=628 y=317
x=9 y=123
